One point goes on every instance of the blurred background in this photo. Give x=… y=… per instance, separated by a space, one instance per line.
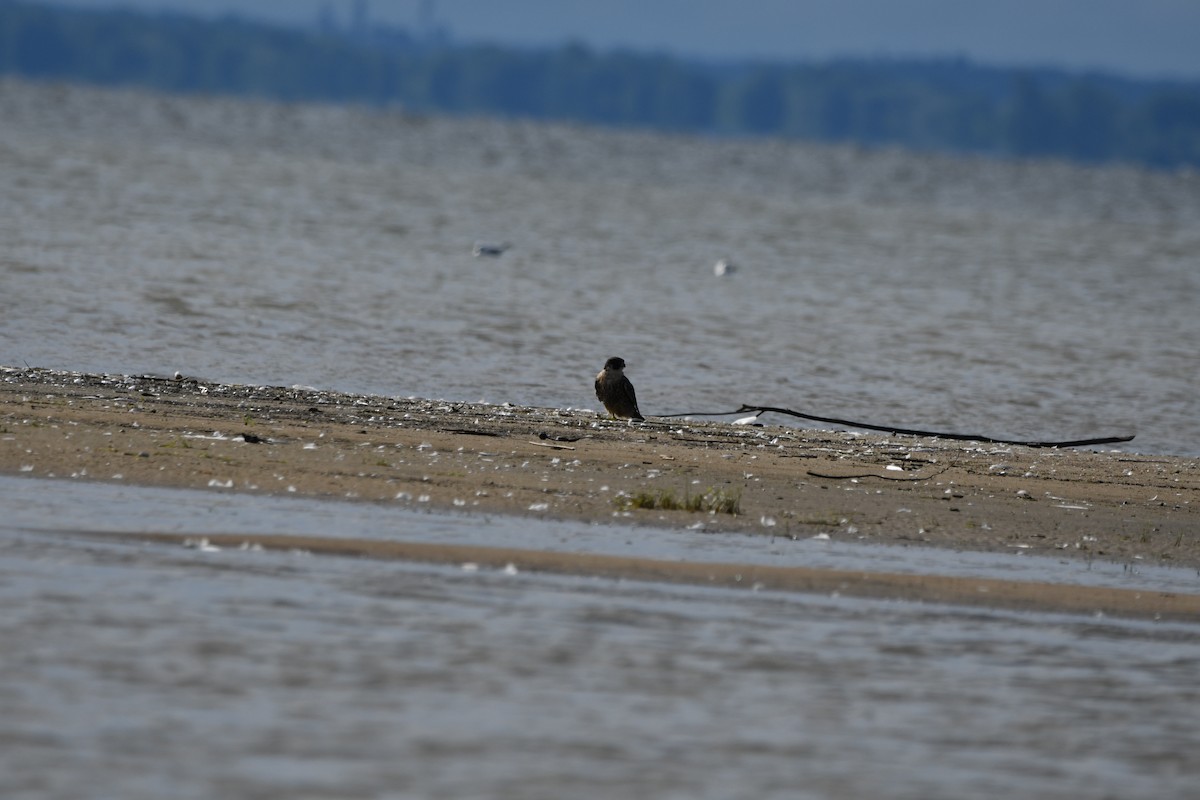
x=1088 y=80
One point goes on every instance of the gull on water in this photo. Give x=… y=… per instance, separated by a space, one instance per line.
x=724 y=267
x=490 y=249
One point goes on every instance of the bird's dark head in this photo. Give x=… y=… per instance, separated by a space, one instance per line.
x=615 y=363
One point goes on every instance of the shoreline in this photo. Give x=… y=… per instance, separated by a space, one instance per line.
x=991 y=593
x=555 y=463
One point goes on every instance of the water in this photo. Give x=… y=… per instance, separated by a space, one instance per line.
x=268 y=244
x=141 y=671
x=39 y=505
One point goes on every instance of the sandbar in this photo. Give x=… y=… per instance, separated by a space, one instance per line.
x=577 y=464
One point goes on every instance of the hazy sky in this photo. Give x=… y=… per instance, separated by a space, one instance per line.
x=1140 y=37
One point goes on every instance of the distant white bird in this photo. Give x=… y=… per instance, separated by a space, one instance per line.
x=490 y=249
x=724 y=267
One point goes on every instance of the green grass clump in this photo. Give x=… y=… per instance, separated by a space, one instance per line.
x=714 y=501
x=718 y=501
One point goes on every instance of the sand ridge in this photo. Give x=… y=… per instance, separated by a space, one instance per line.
x=1013 y=595
x=571 y=464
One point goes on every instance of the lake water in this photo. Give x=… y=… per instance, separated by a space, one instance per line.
x=267 y=244
x=147 y=671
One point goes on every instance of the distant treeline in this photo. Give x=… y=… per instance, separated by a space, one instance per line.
x=928 y=105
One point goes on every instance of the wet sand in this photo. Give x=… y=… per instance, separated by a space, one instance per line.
x=576 y=464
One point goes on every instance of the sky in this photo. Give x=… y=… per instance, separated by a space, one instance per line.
x=1142 y=38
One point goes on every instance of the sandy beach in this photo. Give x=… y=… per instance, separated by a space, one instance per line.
x=574 y=464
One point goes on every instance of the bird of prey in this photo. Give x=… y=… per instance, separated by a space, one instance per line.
x=615 y=391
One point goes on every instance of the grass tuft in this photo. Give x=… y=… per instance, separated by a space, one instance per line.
x=714 y=501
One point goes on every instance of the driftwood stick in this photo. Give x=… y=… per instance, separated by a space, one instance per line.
x=965 y=437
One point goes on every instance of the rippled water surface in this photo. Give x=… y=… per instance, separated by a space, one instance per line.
x=148 y=671
x=259 y=243
x=268 y=244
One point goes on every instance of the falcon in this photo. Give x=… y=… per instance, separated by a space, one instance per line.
x=615 y=391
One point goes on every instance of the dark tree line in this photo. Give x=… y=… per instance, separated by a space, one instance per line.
x=930 y=105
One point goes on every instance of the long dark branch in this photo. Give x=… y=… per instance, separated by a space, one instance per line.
x=966 y=437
